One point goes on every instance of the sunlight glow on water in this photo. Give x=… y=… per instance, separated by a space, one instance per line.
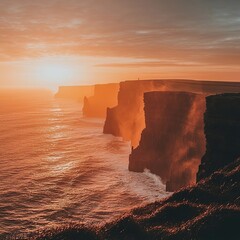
x=57 y=167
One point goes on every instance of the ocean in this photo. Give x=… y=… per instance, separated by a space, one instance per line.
x=58 y=168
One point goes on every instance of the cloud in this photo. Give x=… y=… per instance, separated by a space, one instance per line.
x=180 y=32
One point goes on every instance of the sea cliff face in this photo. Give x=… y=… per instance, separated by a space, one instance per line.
x=74 y=92
x=222 y=130
x=206 y=211
x=173 y=141
x=105 y=95
x=127 y=118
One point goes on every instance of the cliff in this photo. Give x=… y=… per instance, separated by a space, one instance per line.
x=207 y=211
x=105 y=95
x=74 y=92
x=222 y=130
x=127 y=118
x=173 y=141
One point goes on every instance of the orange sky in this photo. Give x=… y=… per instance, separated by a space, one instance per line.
x=93 y=41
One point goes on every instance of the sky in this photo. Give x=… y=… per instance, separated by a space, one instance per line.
x=74 y=42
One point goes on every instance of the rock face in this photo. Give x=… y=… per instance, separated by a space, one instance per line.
x=105 y=95
x=127 y=118
x=222 y=130
x=173 y=141
x=74 y=92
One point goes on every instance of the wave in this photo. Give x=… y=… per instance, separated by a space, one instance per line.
x=55 y=162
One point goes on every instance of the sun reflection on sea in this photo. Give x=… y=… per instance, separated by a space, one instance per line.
x=54 y=158
x=58 y=169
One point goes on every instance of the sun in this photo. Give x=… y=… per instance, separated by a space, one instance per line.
x=54 y=73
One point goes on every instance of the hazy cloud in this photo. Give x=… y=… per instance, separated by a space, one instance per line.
x=196 y=32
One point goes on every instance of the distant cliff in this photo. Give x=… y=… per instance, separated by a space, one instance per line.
x=105 y=95
x=173 y=141
x=74 y=92
x=222 y=130
x=127 y=118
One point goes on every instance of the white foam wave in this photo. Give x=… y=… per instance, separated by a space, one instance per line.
x=155 y=178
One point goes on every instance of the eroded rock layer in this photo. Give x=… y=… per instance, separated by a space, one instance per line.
x=173 y=141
